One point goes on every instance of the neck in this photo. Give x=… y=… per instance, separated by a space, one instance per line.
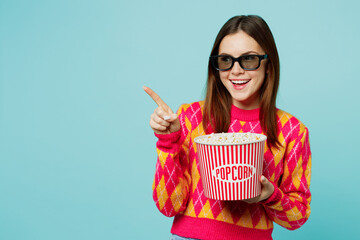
x=247 y=105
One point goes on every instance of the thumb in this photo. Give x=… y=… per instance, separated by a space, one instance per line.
x=173 y=117
x=174 y=122
x=264 y=181
x=267 y=188
x=266 y=184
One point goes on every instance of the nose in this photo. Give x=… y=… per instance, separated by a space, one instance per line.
x=237 y=69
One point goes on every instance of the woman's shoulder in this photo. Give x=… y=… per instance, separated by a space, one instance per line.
x=287 y=122
x=191 y=113
x=192 y=107
x=286 y=116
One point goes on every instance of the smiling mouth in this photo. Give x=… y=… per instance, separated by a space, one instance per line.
x=239 y=82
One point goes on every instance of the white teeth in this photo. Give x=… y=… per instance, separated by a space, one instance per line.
x=239 y=81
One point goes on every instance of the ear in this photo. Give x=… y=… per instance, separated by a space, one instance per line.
x=268 y=70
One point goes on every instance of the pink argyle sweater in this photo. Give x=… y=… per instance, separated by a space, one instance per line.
x=178 y=190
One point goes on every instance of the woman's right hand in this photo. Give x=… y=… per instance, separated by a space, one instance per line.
x=163 y=120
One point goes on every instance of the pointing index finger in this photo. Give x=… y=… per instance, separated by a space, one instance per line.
x=156 y=98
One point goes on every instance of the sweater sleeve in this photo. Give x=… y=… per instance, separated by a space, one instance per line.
x=172 y=175
x=289 y=205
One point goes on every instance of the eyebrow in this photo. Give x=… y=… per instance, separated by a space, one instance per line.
x=245 y=53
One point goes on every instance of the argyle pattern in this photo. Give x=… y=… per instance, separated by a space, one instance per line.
x=177 y=187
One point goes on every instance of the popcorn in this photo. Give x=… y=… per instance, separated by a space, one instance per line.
x=230 y=138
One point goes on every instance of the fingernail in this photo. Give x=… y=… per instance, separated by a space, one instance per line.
x=166 y=118
x=263 y=179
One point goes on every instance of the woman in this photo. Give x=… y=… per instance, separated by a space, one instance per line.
x=243 y=79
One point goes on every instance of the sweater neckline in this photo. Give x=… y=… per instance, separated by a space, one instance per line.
x=245 y=115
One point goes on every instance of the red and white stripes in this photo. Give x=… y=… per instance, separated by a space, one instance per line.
x=231 y=172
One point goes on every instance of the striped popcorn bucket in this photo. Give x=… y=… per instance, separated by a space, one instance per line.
x=231 y=171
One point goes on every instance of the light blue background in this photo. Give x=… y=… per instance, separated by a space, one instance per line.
x=77 y=155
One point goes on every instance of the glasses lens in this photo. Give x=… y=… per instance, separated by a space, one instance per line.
x=224 y=62
x=250 y=61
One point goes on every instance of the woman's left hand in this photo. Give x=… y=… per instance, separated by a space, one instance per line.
x=267 y=190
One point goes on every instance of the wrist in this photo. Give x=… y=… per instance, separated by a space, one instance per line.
x=168 y=141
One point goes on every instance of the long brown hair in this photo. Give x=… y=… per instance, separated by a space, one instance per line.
x=218 y=100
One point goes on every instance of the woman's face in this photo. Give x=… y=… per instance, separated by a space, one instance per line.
x=243 y=86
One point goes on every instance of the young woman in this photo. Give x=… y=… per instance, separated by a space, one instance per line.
x=243 y=79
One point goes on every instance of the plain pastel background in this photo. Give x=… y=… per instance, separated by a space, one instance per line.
x=77 y=155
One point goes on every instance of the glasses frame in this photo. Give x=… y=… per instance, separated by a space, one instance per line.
x=213 y=61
